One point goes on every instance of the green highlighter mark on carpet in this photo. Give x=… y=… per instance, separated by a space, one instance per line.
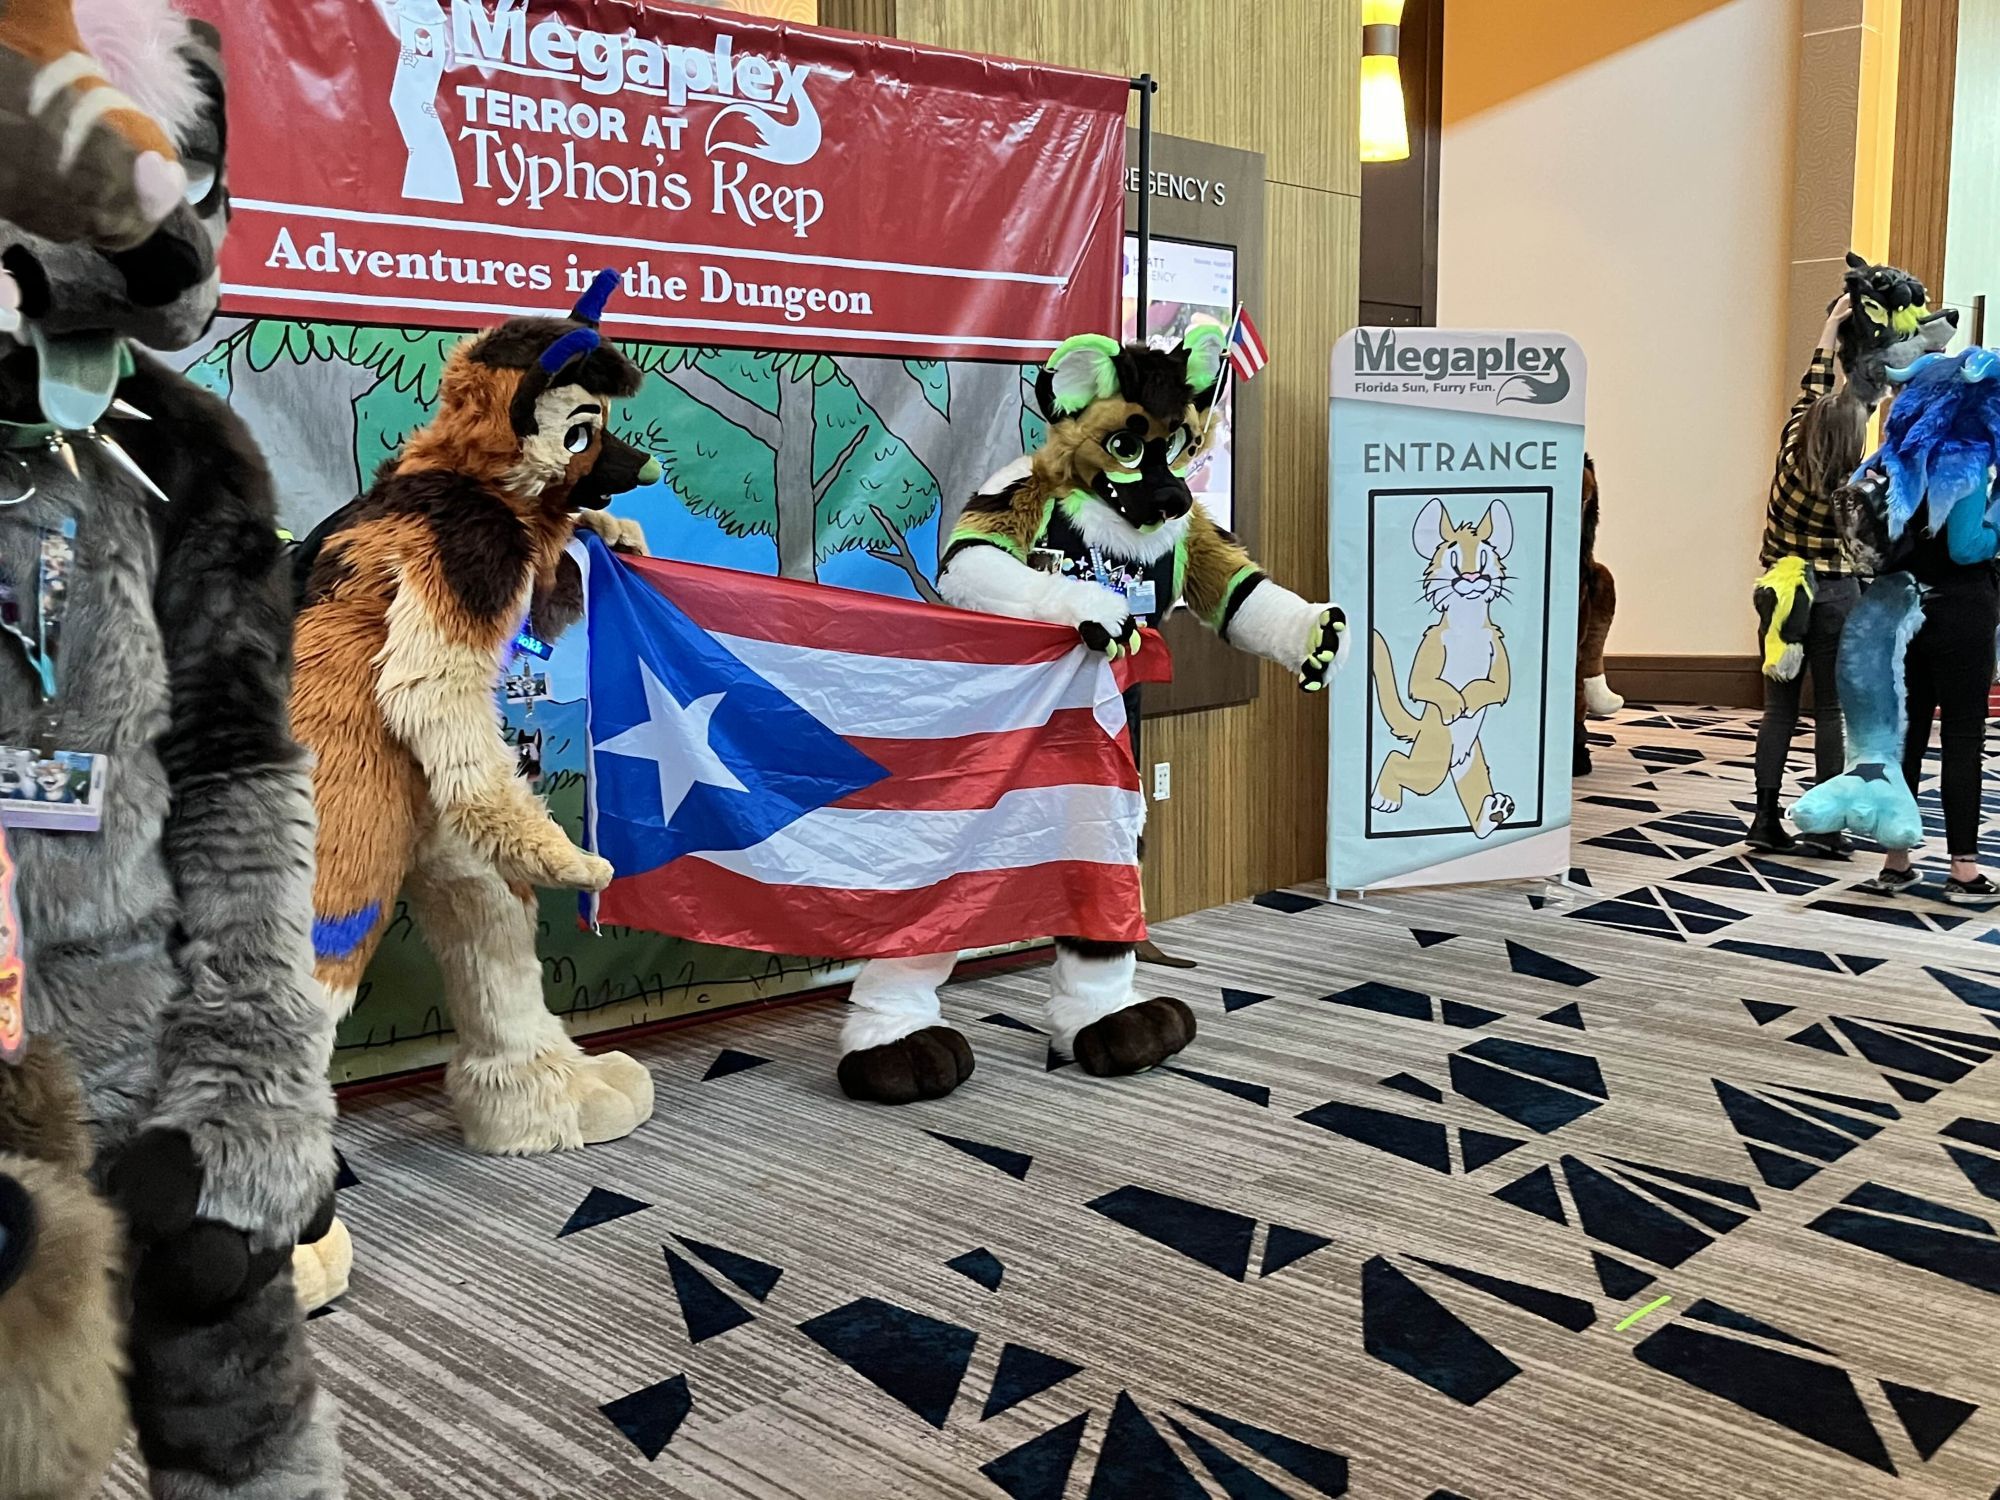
x=1632 y=1317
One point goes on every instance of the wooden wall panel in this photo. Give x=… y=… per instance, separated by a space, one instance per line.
x=1249 y=805
x=1279 y=76
x=1248 y=810
x=1920 y=196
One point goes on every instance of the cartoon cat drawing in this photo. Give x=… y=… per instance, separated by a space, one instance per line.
x=1460 y=671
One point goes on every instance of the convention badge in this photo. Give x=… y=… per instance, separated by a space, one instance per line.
x=527 y=643
x=13 y=972
x=523 y=684
x=60 y=791
x=1046 y=560
x=1142 y=598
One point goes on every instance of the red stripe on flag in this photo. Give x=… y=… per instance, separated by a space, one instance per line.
x=828 y=618
x=852 y=620
x=1071 y=749
x=691 y=898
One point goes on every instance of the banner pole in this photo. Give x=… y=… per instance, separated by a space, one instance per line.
x=1145 y=83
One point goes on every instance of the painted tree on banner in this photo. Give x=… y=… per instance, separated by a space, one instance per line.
x=821 y=454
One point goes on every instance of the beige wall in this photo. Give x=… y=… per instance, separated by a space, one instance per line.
x=1640 y=202
x=1972 y=236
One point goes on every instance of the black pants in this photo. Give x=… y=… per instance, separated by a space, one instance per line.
x=1835 y=598
x=1949 y=672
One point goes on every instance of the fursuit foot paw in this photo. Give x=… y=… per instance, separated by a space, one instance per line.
x=1134 y=1039
x=1494 y=811
x=926 y=1064
x=556 y=1102
x=320 y=1270
x=1599 y=699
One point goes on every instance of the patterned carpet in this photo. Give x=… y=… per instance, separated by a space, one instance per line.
x=1675 y=1184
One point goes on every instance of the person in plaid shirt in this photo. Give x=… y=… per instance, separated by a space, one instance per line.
x=1828 y=419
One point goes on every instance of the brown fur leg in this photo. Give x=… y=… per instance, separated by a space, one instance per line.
x=62 y=1393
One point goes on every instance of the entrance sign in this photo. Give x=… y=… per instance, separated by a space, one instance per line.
x=1457 y=472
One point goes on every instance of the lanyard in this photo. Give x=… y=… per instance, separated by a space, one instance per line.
x=55 y=561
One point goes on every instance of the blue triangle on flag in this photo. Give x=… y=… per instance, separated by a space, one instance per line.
x=676 y=717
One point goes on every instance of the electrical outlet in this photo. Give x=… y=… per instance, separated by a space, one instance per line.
x=1163 y=781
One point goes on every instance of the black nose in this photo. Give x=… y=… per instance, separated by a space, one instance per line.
x=1951 y=316
x=176 y=259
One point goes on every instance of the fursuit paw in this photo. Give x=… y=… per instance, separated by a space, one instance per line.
x=926 y=1064
x=619 y=533
x=321 y=1268
x=1326 y=653
x=557 y=864
x=190 y=1269
x=558 y=1101
x=1494 y=811
x=1601 y=701
x=1134 y=1039
x=626 y=1077
x=1119 y=639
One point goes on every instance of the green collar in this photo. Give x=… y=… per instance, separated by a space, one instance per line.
x=18 y=436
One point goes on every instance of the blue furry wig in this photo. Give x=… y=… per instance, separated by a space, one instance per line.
x=1942 y=439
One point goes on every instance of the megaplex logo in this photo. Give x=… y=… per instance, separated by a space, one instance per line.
x=1535 y=374
x=767 y=93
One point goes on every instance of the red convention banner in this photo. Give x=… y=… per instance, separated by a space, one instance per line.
x=448 y=162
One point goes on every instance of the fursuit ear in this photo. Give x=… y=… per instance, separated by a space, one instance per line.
x=1857 y=262
x=1202 y=346
x=1432 y=530
x=589 y=309
x=1082 y=370
x=1496 y=528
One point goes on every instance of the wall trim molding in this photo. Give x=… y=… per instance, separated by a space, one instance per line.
x=1726 y=681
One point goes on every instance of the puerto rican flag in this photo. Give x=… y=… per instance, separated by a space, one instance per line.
x=804 y=769
x=1246 y=346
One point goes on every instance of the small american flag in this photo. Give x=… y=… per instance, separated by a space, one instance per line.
x=1246 y=346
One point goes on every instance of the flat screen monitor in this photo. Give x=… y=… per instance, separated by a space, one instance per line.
x=1190 y=283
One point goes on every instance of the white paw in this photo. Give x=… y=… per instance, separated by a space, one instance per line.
x=1600 y=700
x=1094 y=604
x=1494 y=811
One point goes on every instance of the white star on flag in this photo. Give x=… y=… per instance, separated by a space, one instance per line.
x=675 y=739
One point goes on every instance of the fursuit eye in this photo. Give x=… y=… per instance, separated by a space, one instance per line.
x=1126 y=447
x=577 y=438
x=1178 y=445
x=200 y=182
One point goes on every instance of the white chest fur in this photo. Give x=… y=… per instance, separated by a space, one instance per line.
x=1468 y=642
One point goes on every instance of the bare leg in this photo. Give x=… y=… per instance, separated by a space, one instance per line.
x=520 y=1085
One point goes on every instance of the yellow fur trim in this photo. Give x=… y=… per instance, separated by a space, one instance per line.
x=1788 y=579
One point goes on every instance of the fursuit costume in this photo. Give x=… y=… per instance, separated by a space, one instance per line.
x=1096 y=530
x=1930 y=483
x=1811 y=580
x=1596 y=605
x=413 y=597
x=176 y=1052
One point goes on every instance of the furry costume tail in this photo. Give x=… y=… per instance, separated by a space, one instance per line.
x=1402 y=723
x=1784 y=601
x=1871 y=796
